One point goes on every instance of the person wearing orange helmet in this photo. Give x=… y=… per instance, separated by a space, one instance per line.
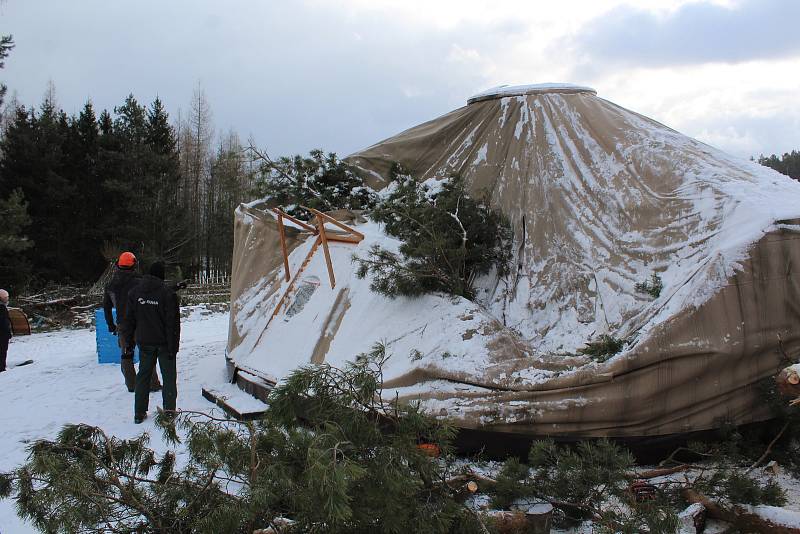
x=125 y=278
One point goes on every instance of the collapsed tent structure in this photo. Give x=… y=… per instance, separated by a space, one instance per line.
x=600 y=199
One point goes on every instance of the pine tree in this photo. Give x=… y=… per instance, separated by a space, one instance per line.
x=320 y=181
x=352 y=466
x=449 y=239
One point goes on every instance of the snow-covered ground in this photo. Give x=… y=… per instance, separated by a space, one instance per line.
x=65 y=384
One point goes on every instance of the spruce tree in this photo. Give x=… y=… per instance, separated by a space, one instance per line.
x=108 y=168
x=125 y=183
x=33 y=160
x=86 y=231
x=165 y=222
x=14 y=268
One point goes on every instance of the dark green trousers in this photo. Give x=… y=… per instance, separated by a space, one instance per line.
x=148 y=356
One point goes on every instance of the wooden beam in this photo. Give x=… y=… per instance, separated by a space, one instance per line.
x=324 y=237
x=303 y=225
x=282 y=233
x=289 y=289
x=342 y=238
x=323 y=218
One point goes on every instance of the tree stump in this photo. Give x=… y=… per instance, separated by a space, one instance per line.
x=539 y=518
x=525 y=518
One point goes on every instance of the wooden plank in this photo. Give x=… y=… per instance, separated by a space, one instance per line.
x=289 y=289
x=282 y=234
x=298 y=222
x=324 y=236
x=342 y=238
x=212 y=396
x=334 y=222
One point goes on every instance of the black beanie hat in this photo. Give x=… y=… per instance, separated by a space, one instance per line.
x=157 y=269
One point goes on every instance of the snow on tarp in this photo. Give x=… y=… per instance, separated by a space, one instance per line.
x=599 y=198
x=518 y=90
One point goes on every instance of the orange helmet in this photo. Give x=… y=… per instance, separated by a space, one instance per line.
x=126 y=260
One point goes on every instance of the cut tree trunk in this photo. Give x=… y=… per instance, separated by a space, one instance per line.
x=740 y=517
x=788 y=382
x=535 y=519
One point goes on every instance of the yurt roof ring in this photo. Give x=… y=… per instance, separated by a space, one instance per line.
x=535 y=89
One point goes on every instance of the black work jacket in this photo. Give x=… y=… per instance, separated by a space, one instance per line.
x=116 y=294
x=153 y=315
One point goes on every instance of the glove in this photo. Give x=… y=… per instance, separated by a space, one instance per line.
x=113 y=329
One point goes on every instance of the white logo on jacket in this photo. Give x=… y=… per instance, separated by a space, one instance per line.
x=145 y=301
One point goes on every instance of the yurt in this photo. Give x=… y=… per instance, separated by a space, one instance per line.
x=600 y=199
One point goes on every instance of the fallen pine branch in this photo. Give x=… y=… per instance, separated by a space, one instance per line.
x=653 y=473
x=769 y=448
x=671 y=457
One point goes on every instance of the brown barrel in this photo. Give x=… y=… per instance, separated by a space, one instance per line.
x=19 y=322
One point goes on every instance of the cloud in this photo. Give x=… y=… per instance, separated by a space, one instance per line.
x=749 y=136
x=343 y=75
x=295 y=75
x=694 y=33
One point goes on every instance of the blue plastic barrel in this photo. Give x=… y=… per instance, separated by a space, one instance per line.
x=108 y=350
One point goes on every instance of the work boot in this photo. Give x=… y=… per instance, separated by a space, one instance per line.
x=129 y=372
x=139 y=417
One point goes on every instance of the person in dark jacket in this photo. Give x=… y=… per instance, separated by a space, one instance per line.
x=153 y=320
x=122 y=281
x=5 y=329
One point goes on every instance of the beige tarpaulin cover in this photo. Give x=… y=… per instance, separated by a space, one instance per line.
x=600 y=198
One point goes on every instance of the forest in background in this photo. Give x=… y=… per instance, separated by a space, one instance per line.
x=78 y=189
x=75 y=190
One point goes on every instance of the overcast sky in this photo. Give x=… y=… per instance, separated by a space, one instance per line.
x=344 y=75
